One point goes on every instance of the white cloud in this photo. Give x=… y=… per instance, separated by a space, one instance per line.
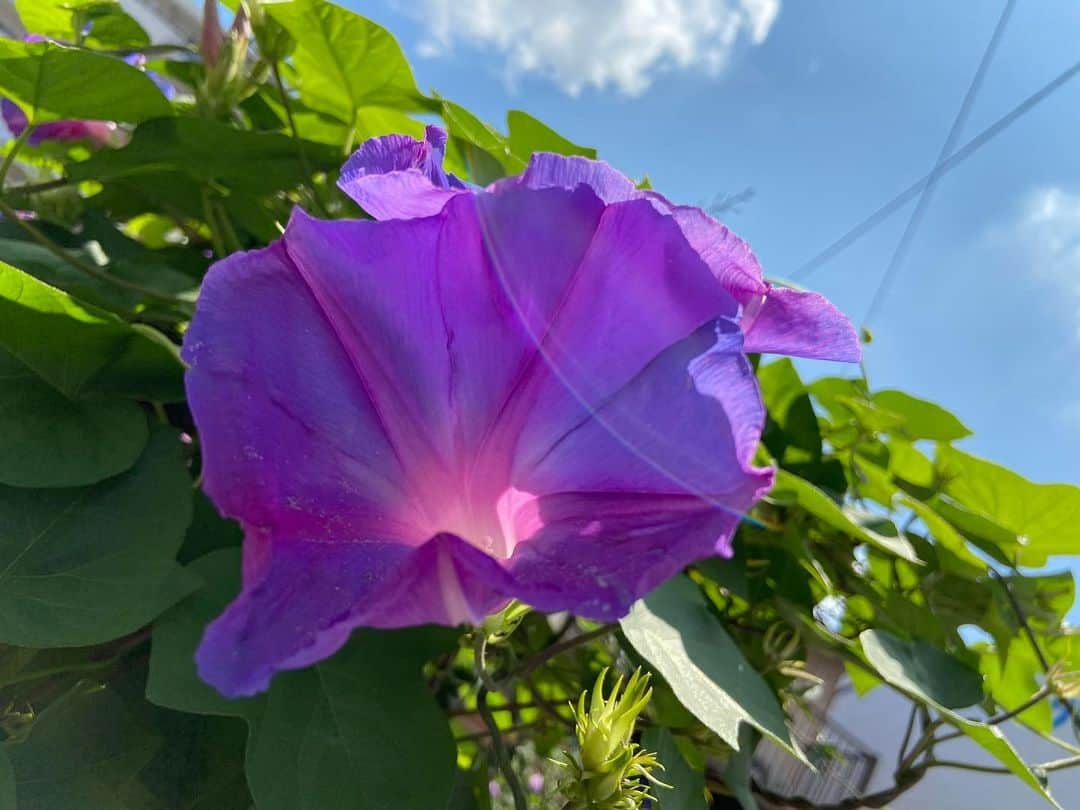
x=1049 y=236
x=1070 y=414
x=598 y=43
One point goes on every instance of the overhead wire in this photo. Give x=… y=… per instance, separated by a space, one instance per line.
x=884 y=285
x=883 y=212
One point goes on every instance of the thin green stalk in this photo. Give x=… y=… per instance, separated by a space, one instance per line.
x=350 y=138
x=212 y=224
x=91 y=666
x=305 y=164
x=1021 y=617
x=502 y=755
x=557 y=649
x=1060 y=764
x=37 y=188
x=232 y=241
x=153 y=50
x=85 y=267
x=10 y=157
x=1044 y=692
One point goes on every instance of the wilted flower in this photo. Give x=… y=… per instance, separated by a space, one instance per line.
x=535 y=391
x=611 y=772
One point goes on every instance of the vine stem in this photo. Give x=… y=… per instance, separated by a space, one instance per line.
x=301 y=153
x=1044 y=692
x=123 y=650
x=37 y=188
x=214 y=226
x=502 y=755
x=547 y=654
x=9 y=159
x=1021 y=617
x=85 y=267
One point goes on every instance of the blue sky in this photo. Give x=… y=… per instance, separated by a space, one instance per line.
x=826 y=113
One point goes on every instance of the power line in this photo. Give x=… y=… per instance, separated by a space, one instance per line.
x=923 y=203
x=954 y=160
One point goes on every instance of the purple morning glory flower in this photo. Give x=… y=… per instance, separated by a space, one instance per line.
x=537 y=390
x=98 y=133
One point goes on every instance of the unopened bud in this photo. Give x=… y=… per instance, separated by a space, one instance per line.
x=610 y=767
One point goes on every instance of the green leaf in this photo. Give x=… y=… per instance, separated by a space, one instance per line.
x=349 y=733
x=210 y=152
x=48 y=440
x=209 y=531
x=908 y=463
x=81 y=350
x=922 y=419
x=84 y=752
x=110 y=26
x=793 y=489
x=86 y=565
x=352 y=732
x=200 y=763
x=996 y=541
x=103 y=747
x=674 y=631
x=833 y=392
x=7 y=781
x=484 y=151
x=54 y=271
x=995 y=743
x=687 y=791
x=792 y=434
x=345 y=62
x=861 y=681
x=923 y=673
x=371 y=122
x=738 y=771
x=1013 y=675
x=173 y=681
x=50 y=82
x=1045 y=517
x=957 y=557
x=528 y=135
x=923 y=670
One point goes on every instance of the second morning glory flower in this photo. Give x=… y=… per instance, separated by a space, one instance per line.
x=99 y=133
x=536 y=391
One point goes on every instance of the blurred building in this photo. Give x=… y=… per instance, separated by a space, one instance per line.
x=853 y=743
x=171 y=21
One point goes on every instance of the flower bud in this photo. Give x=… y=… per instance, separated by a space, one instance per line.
x=211 y=37
x=498 y=626
x=610 y=768
x=227 y=80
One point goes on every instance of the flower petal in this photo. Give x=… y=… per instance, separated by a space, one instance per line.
x=655 y=479
x=639 y=289
x=292 y=444
x=728 y=257
x=689 y=423
x=398 y=177
x=546 y=170
x=294 y=614
x=313 y=594
x=802 y=324
x=595 y=555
